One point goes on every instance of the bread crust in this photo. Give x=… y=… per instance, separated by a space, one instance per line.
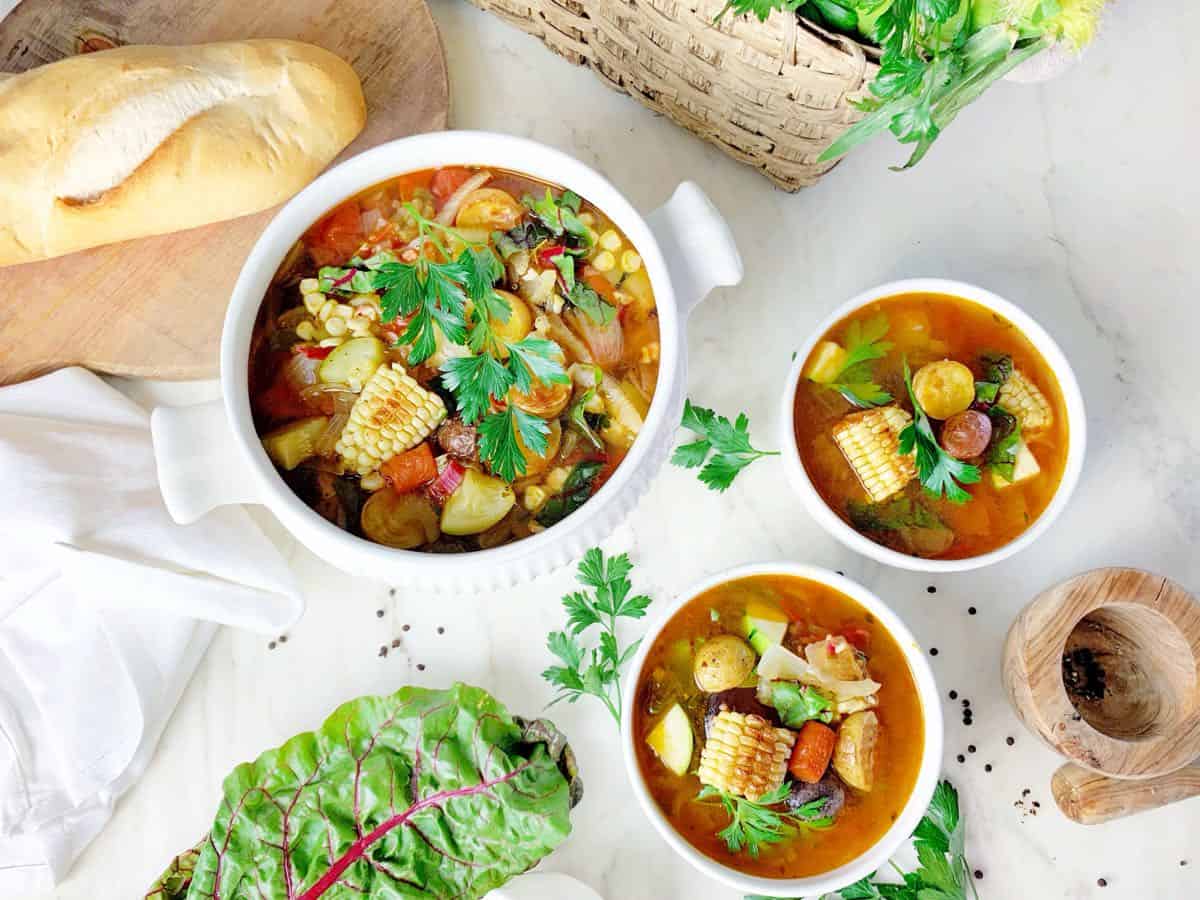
x=145 y=140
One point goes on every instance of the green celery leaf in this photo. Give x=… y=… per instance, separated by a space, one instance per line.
x=535 y=359
x=596 y=307
x=797 y=704
x=475 y=381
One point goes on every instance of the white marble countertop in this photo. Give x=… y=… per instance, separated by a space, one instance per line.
x=1079 y=200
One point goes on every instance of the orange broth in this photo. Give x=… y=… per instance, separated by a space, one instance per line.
x=866 y=816
x=924 y=328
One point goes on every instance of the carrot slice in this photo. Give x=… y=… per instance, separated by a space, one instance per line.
x=409 y=470
x=813 y=750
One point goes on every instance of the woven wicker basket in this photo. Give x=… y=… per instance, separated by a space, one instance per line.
x=771 y=94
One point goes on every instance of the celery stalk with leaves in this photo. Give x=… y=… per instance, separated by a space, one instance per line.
x=938 y=55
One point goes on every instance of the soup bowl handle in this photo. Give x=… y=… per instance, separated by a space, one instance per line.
x=697 y=244
x=199 y=464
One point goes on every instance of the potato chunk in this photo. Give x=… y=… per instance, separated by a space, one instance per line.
x=854 y=755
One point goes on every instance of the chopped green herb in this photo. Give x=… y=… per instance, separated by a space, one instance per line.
x=729 y=443
x=754 y=824
x=939 y=472
x=433 y=296
x=560 y=216
x=596 y=672
x=864 y=344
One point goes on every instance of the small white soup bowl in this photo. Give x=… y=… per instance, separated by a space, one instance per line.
x=931 y=754
x=210 y=455
x=1041 y=340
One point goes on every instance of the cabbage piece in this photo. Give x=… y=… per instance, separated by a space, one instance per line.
x=425 y=793
x=779 y=663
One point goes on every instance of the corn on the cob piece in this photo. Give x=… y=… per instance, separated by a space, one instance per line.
x=870 y=441
x=392 y=414
x=745 y=755
x=1023 y=399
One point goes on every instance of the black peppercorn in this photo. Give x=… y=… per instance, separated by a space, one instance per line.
x=970 y=748
x=979 y=874
x=931 y=589
x=971 y=610
x=1102 y=882
x=954 y=695
x=933 y=651
x=1010 y=741
x=420 y=667
x=379 y=613
x=405 y=627
x=441 y=630
x=961 y=758
x=988 y=767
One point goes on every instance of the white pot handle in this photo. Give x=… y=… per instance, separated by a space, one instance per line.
x=199 y=466
x=697 y=244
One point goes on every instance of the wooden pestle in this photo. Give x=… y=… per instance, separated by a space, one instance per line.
x=1090 y=798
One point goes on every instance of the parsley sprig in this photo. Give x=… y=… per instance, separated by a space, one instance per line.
x=755 y=824
x=596 y=672
x=942 y=871
x=728 y=442
x=938 y=471
x=864 y=345
x=457 y=296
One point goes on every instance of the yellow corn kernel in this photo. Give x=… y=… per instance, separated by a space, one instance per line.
x=1023 y=399
x=604 y=261
x=610 y=240
x=630 y=262
x=332 y=342
x=870 y=442
x=534 y=498
x=535 y=527
x=650 y=352
x=745 y=755
x=372 y=481
x=360 y=326
x=305 y=331
x=326 y=310
x=314 y=302
x=364 y=300
x=336 y=326
x=310 y=286
x=587 y=219
x=624 y=298
x=392 y=414
x=344 y=310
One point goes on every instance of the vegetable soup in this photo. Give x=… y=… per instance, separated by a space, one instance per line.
x=778 y=726
x=931 y=425
x=454 y=359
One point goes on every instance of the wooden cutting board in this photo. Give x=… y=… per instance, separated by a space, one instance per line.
x=154 y=307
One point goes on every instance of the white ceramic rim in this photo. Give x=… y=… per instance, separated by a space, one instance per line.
x=356 y=174
x=1041 y=340
x=931 y=758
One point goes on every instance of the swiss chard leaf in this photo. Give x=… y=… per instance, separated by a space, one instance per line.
x=575 y=492
x=425 y=793
x=1001 y=454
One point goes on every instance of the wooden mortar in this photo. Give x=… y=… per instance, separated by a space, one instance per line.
x=1105 y=668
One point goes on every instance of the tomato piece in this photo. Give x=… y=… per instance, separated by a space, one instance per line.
x=409 y=470
x=336 y=237
x=281 y=402
x=313 y=352
x=446 y=181
x=812 y=752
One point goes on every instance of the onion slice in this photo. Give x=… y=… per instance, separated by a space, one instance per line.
x=449 y=209
x=447 y=482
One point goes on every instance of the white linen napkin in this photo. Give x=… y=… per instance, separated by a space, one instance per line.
x=106 y=608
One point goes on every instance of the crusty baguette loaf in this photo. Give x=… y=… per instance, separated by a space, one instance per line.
x=137 y=141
